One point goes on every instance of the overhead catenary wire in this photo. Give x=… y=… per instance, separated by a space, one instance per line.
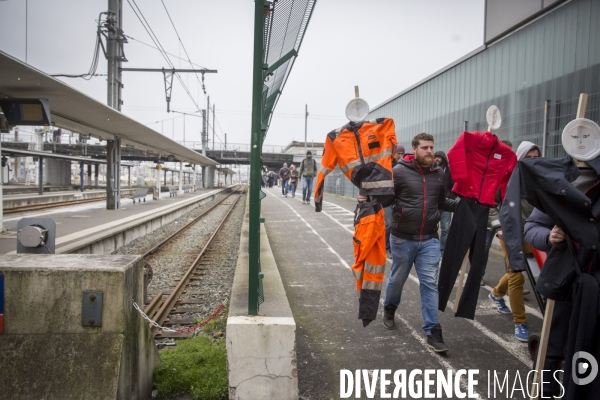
x=156 y=48
x=156 y=41
x=183 y=46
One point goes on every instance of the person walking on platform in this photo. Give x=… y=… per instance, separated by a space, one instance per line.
x=513 y=282
x=284 y=174
x=308 y=171
x=293 y=180
x=420 y=193
x=445 y=216
x=270 y=178
x=400 y=150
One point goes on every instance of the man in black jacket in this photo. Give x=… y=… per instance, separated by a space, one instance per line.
x=420 y=193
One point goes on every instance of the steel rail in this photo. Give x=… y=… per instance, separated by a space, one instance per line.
x=170 y=301
x=186 y=227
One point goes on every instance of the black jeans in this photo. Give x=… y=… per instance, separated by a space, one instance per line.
x=467 y=231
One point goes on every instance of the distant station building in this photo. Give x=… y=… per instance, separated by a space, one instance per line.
x=537 y=58
x=298 y=150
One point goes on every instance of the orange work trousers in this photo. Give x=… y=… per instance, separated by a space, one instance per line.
x=369 y=257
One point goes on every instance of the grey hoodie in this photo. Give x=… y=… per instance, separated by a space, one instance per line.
x=526 y=209
x=524 y=148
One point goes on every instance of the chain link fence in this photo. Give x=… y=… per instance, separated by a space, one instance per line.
x=527 y=125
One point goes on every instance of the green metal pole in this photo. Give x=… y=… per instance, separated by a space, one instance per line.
x=255 y=153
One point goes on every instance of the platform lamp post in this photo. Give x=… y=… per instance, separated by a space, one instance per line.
x=305 y=126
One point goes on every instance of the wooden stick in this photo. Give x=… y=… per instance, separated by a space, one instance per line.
x=461 y=280
x=583 y=97
x=542 y=348
x=543 y=345
x=356 y=91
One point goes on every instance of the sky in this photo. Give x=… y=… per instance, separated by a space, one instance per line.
x=383 y=46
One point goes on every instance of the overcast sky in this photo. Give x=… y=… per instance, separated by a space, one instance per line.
x=384 y=46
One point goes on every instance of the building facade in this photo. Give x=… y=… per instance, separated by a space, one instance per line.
x=534 y=75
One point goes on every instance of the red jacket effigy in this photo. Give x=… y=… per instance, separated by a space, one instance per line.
x=479 y=164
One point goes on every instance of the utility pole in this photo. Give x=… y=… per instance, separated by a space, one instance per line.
x=204 y=144
x=213 y=126
x=305 y=125
x=114 y=55
x=204 y=135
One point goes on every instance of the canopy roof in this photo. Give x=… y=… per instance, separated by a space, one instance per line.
x=76 y=111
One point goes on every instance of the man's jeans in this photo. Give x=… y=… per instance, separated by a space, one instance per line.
x=445 y=219
x=425 y=255
x=388 y=219
x=307 y=184
x=284 y=186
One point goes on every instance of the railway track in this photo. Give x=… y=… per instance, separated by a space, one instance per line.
x=178 y=308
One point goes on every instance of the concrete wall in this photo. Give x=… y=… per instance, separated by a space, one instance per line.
x=57 y=172
x=261 y=350
x=30 y=199
x=46 y=351
x=124 y=231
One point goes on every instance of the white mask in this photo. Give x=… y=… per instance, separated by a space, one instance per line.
x=581 y=139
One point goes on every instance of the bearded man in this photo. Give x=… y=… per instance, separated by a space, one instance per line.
x=420 y=194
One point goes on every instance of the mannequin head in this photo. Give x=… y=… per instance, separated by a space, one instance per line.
x=581 y=139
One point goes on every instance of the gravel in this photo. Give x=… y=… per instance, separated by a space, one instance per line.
x=217 y=266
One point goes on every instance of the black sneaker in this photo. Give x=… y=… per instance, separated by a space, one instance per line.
x=388 y=316
x=435 y=341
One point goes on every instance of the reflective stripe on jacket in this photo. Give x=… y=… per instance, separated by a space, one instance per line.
x=364 y=152
x=369 y=257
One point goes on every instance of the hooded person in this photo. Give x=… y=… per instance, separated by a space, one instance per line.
x=284 y=175
x=445 y=216
x=513 y=282
x=387 y=218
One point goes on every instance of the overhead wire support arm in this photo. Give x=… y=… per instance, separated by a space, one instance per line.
x=168 y=75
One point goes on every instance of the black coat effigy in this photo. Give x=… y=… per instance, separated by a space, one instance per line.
x=572 y=267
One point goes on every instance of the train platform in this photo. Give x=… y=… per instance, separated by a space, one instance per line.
x=24 y=199
x=314 y=252
x=91 y=228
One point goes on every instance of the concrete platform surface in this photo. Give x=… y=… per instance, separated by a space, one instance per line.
x=87 y=219
x=314 y=252
x=25 y=199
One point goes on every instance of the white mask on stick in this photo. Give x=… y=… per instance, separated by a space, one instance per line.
x=581 y=139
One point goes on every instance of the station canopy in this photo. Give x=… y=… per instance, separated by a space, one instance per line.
x=70 y=109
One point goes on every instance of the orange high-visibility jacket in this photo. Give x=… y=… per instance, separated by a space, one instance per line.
x=364 y=151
